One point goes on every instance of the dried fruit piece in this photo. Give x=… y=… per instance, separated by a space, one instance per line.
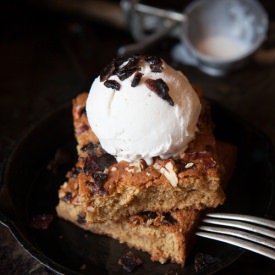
x=68 y=196
x=105 y=161
x=95 y=189
x=90 y=165
x=75 y=172
x=92 y=149
x=124 y=73
x=136 y=79
x=155 y=63
x=81 y=218
x=159 y=87
x=167 y=219
x=107 y=72
x=83 y=129
x=148 y=215
x=130 y=261
x=99 y=178
x=112 y=84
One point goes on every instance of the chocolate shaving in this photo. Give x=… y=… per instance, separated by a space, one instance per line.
x=112 y=84
x=159 y=87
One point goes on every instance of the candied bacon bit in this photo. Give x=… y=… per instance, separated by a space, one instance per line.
x=136 y=79
x=130 y=261
x=112 y=84
x=41 y=221
x=107 y=72
x=159 y=87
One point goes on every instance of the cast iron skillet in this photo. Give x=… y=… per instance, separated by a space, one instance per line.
x=29 y=188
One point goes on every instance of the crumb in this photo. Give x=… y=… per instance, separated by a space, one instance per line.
x=41 y=221
x=130 y=261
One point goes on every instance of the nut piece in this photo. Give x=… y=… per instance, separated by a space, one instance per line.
x=168 y=169
x=136 y=166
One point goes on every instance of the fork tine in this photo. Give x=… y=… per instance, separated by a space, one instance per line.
x=240 y=217
x=242 y=234
x=241 y=243
x=246 y=226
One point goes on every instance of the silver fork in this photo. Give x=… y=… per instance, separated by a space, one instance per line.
x=260 y=241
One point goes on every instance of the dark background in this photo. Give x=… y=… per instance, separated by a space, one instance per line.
x=47 y=57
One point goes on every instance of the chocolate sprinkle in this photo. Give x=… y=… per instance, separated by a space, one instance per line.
x=159 y=87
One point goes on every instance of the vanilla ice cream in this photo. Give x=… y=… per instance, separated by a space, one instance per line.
x=140 y=108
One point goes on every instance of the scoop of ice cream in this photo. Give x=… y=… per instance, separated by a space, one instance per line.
x=140 y=108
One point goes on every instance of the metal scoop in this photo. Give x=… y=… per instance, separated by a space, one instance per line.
x=216 y=36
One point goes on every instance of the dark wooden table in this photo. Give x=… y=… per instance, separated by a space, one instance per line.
x=48 y=58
